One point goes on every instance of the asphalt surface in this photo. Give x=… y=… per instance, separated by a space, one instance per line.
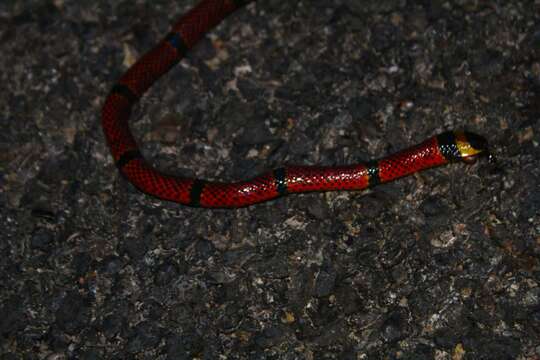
x=440 y=265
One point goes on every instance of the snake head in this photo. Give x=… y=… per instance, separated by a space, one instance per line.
x=471 y=146
x=462 y=145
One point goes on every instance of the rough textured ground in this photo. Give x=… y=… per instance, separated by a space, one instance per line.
x=442 y=265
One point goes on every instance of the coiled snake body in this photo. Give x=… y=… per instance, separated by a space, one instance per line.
x=438 y=150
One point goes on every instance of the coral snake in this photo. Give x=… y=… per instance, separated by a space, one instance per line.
x=438 y=150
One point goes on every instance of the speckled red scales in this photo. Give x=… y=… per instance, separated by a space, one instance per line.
x=438 y=150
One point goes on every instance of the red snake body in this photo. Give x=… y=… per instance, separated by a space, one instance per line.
x=435 y=151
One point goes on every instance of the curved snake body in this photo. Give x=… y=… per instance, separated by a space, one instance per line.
x=438 y=150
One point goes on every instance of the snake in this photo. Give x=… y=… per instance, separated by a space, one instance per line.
x=446 y=147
